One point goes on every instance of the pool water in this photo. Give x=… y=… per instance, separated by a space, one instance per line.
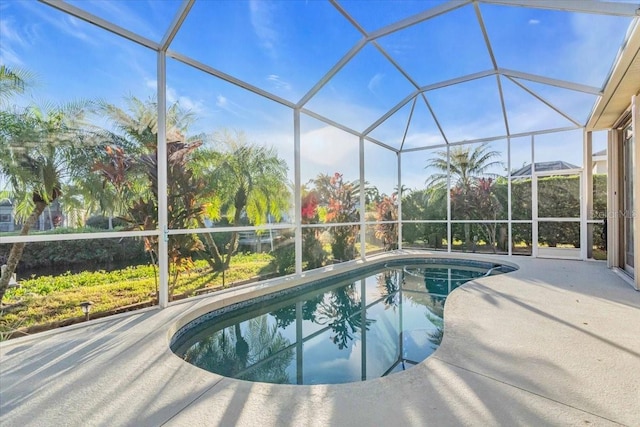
x=366 y=325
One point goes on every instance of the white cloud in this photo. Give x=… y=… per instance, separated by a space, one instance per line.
x=221 y=101
x=534 y=21
x=151 y=83
x=120 y=13
x=229 y=106
x=9 y=33
x=328 y=150
x=184 y=101
x=8 y=42
x=375 y=82
x=278 y=83
x=65 y=24
x=423 y=139
x=262 y=21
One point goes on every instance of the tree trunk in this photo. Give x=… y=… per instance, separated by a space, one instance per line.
x=233 y=244
x=18 y=248
x=217 y=262
x=467 y=236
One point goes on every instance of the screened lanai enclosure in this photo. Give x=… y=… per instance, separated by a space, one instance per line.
x=157 y=150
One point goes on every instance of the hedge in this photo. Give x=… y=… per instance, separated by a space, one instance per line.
x=555 y=199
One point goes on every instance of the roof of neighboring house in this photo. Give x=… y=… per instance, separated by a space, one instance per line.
x=5 y=202
x=555 y=165
x=600 y=153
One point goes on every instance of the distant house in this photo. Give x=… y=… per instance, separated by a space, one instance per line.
x=556 y=165
x=599 y=161
x=6 y=216
x=51 y=218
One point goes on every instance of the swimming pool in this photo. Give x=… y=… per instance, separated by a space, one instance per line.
x=352 y=327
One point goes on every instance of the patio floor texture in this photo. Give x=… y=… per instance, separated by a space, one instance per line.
x=554 y=343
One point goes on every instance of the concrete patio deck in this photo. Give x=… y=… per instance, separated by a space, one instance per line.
x=554 y=343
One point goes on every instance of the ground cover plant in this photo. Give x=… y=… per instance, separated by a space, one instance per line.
x=50 y=301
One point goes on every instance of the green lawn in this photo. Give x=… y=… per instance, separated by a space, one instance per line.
x=50 y=301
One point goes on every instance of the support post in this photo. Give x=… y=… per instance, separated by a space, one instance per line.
x=586 y=236
x=614 y=172
x=363 y=228
x=635 y=122
x=297 y=190
x=400 y=196
x=448 y=198
x=163 y=216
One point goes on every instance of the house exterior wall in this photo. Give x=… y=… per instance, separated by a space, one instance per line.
x=6 y=218
x=51 y=218
x=616 y=212
x=600 y=164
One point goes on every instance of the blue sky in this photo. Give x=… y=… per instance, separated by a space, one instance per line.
x=285 y=47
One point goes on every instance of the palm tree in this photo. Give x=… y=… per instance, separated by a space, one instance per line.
x=130 y=167
x=260 y=355
x=44 y=152
x=248 y=180
x=13 y=81
x=465 y=167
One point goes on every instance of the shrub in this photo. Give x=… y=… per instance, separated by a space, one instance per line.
x=90 y=253
x=102 y=222
x=284 y=259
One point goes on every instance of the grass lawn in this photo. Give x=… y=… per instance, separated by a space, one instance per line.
x=50 y=301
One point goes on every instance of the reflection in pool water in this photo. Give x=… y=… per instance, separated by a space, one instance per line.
x=364 y=326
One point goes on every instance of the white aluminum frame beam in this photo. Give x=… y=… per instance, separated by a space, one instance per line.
x=348 y=17
x=449 y=231
x=534 y=201
x=614 y=151
x=512 y=74
x=330 y=122
x=420 y=17
x=228 y=78
x=487 y=42
x=423 y=89
x=162 y=164
x=587 y=201
x=461 y=79
x=494 y=138
x=395 y=64
x=399 y=198
x=435 y=118
x=595 y=7
x=332 y=72
x=544 y=101
x=406 y=128
x=297 y=182
x=390 y=113
x=345 y=128
x=635 y=122
x=175 y=25
x=551 y=81
x=381 y=144
x=509 y=200
x=30 y=238
x=102 y=23
x=229 y=229
x=362 y=210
